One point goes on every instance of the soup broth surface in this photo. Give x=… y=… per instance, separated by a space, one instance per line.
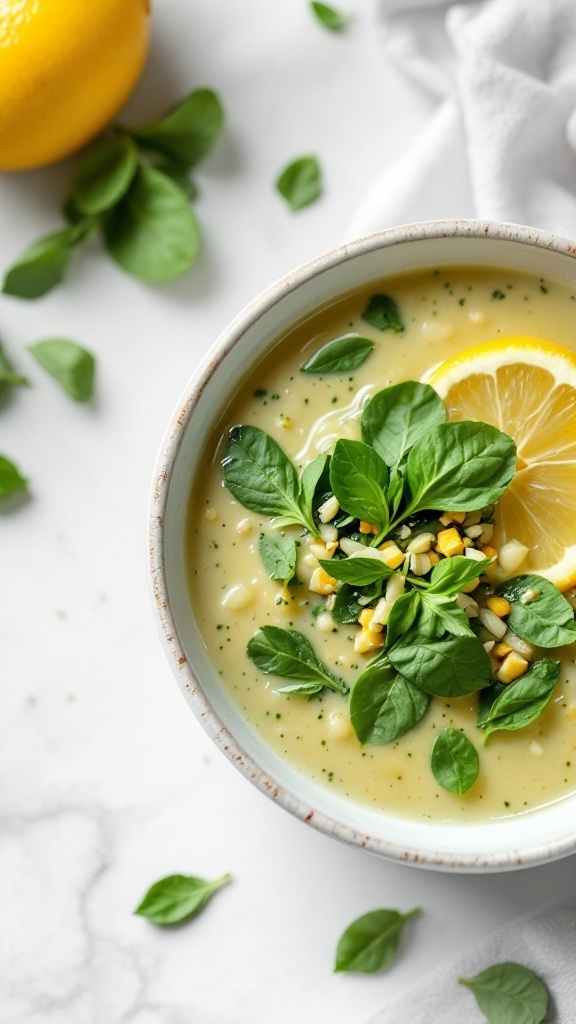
x=444 y=311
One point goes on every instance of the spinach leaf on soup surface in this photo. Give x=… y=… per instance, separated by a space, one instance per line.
x=300 y=183
x=288 y=653
x=450 y=575
x=310 y=481
x=384 y=705
x=279 y=556
x=383 y=314
x=70 y=364
x=371 y=941
x=546 y=619
x=448 y=667
x=359 y=478
x=357 y=570
x=454 y=761
x=259 y=474
x=346 y=608
x=339 y=356
x=441 y=614
x=521 y=702
x=330 y=17
x=178 y=898
x=395 y=418
x=402 y=615
x=509 y=993
x=11 y=480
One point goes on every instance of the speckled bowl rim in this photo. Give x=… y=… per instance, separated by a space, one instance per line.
x=499 y=860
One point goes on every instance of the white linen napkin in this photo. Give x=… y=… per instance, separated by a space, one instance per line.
x=502 y=142
x=545 y=943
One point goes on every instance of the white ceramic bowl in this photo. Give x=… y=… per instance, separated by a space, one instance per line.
x=509 y=843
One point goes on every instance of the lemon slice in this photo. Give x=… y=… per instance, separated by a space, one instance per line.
x=526 y=387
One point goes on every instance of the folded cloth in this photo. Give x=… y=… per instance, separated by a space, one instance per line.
x=545 y=943
x=502 y=142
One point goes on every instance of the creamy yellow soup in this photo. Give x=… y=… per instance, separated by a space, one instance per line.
x=443 y=311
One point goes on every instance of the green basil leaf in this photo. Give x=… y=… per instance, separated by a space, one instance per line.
x=152 y=232
x=332 y=19
x=454 y=761
x=463 y=465
x=188 y=131
x=259 y=474
x=309 y=482
x=384 y=705
x=300 y=183
x=305 y=689
x=178 y=898
x=11 y=480
x=70 y=364
x=523 y=701
x=44 y=264
x=8 y=378
x=444 y=616
x=180 y=177
x=548 y=620
x=445 y=668
x=357 y=570
x=509 y=993
x=395 y=418
x=359 y=478
x=279 y=556
x=346 y=608
x=287 y=653
x=383 y=314
x=486 y=699
x=395 y=491
x=104 y=174
x=450 y=575
x=339 y=356
x=371 y=941
x=402 y=615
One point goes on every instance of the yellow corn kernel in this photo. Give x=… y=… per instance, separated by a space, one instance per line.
x=513 y=666
x=368 y=527
x=471 y=586
x=434 y=558
x=488 y=551
x=392 y=555
x=367 y=640
x=449 y=542
x=501 y=649
x=499 y=605
x=365 y=617
x=321 y=582
x=456 y=517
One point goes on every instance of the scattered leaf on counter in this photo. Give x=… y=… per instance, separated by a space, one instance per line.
x=178 y=898
x=371 y=941
x=330 y=17
x=70 y=364
x=11 y=480
x=300 y=183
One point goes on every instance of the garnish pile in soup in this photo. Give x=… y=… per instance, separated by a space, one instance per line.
x=382 y=545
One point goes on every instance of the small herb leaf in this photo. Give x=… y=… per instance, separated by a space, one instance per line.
x=300 y=183
x=520 y=703
x=395 y=418
x=8 y=378
x=178 y=898
x=439 y=615
x=104 y=175
x=547 y=620
x=309 y=482
x=450 y=575
x=509 y=993
x=188 y=131
x=332 y=19
x=359 y=478
x=402 y=615
x=371 y=941
x=454 y=761
x=152 y=232
x=384 y=705
x=383 y=314
x=11 y=480
x=279 y=556
x=339 y=356
x=70 y=364
x=445 y=668
x=357 y=570
x=259 y=474
x=43 y=265
x=287 y=653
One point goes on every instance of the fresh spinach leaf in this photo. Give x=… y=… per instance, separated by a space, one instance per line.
x=309 y=482
x=8 y=378
x=454 y=761
x=70 y=364
x=339 y=356
x=486 y=699
x=395 y=418
x=439 y=615
x=187 y=132
x=11 y=480
x=384 y=705
x=402 y=615
x=383 y=314
x=371 y=941
x=509 y=993
x=331 y=18
x=279 y=556
x=287 y=653
x=357 y=570
x=178 y=898
x=445 y=668
x=44 y=264
x=395 y=491
x=548 y=620
x=450 y=575
x=104 y=174
x=359 y=478
x=259 y=474
x=463 y=465
x=179 y=177
x=523 y=701
x=300 y=183
x=152 y=232
x=346 y=608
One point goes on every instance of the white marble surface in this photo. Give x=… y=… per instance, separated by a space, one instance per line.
x=107 y=780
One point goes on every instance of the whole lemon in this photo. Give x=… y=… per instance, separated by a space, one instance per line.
x=66 y=68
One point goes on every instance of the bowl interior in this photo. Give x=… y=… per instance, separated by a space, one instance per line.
x=493 y=845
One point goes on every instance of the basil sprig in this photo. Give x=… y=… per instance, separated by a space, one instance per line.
x=521 y=703
x=371 y=942
x=509 y=992
x=288 y=653
x=300 y=183
x=339 y=356
x=178 y=898
x=547 y=619
x=454 y=761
